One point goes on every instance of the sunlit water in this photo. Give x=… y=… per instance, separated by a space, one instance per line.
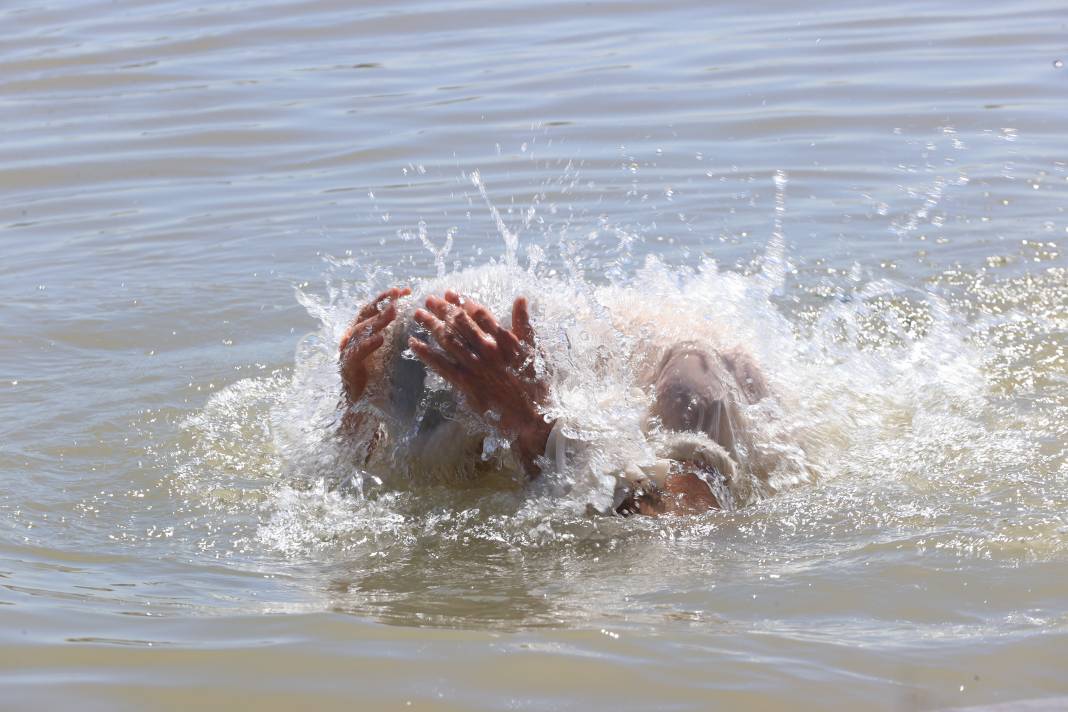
x=195 y=200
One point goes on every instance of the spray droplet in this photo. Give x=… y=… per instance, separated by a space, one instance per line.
x=1058 y=64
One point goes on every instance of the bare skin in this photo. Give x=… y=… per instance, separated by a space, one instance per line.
x=682 y=492
x=493 y=368
x=362 y=338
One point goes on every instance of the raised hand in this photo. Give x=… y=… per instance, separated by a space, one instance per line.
x=363 y=337
x=493 y=367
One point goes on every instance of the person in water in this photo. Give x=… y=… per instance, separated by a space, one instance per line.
x=699 y=393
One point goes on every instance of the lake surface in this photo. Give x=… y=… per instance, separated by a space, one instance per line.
x=195 y=197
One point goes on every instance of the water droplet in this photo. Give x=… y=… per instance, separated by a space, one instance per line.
x=1057 y=64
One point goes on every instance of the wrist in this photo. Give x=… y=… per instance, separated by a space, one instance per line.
x=352 y=395
x=530 y=442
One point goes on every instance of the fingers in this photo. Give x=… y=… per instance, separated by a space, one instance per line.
x=438 y=307
x=357 y=328
x=361 y=350
x=383 y=320
x=369 y=326
x=465 y=329
x=446 y=336
x=391 y=295
x=521 y=322
x=455 y=315
x=510 y=346
x=365 y=348
x=437 y=362
x=480 y=314
x=474 y=336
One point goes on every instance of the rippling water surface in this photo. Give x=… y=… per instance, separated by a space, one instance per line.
x=194 y=199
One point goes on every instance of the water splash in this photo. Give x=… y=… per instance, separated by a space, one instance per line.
x=511 y=239
x=775 y=266
x=439 y=253
x=905 y=399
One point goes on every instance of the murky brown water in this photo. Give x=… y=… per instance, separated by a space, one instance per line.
x=193 y=197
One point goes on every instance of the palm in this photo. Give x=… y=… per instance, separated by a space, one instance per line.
x=493 y=367
x=362 y=338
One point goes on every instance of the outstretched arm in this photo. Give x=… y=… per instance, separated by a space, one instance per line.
x=491 y=366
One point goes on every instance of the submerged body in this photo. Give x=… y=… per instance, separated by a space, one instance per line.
x=699 y=453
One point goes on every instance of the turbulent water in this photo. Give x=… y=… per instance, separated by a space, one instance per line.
x=194 y=201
